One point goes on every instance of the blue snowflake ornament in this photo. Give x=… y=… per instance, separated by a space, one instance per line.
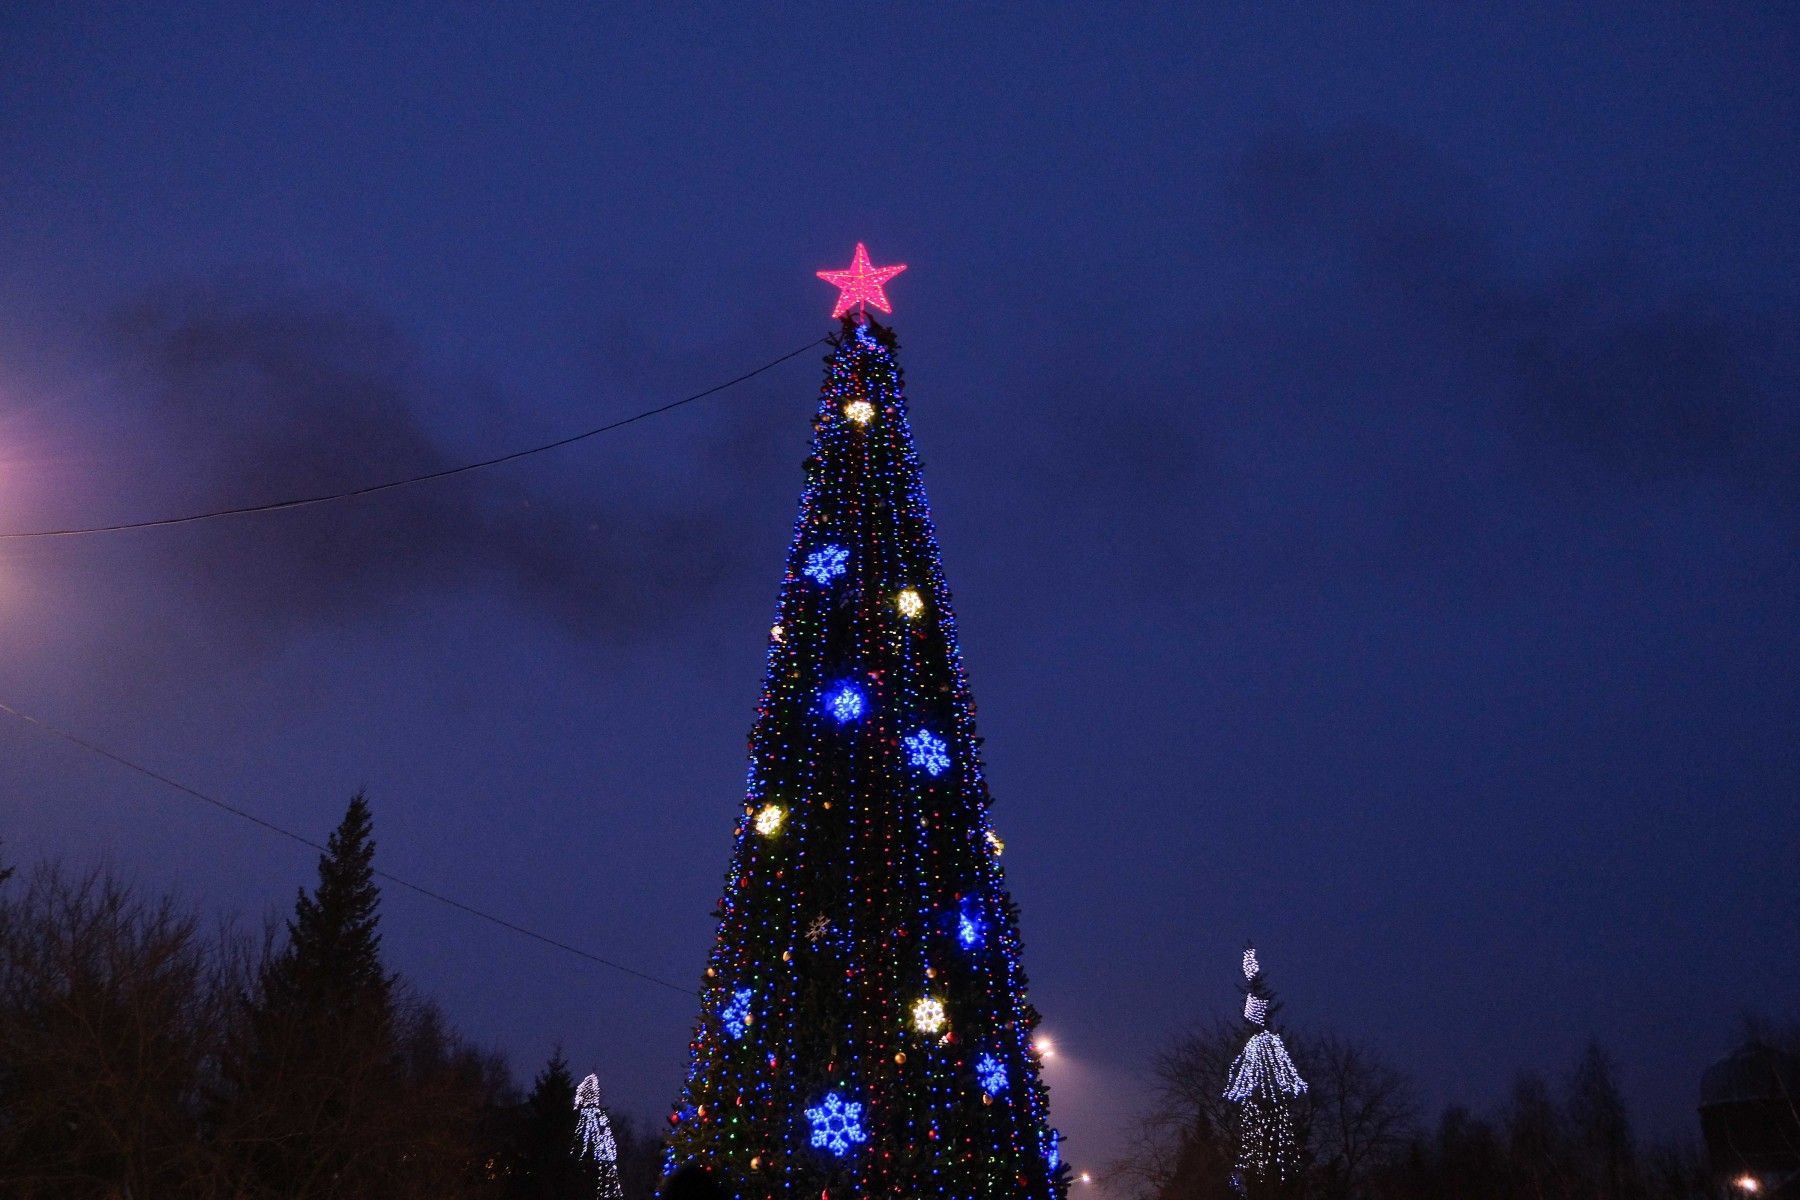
x=927 y=750
x=845 y=702
x=836 y=1124
x=736 y=1014
x=826 y=564
x=990 y=1074
x=969 y=925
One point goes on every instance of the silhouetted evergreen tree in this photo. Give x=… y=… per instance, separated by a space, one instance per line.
x=1601 y=1128
x=547 y=1168
x=317 y=1095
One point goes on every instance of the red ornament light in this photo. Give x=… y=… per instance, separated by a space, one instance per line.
x=860 y=283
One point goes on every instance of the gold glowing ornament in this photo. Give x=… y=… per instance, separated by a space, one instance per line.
x=768 y=821
x=860 y=412
x=928 y=1015
x=910 y=603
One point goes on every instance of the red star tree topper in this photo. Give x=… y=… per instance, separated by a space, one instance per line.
x=860 y=283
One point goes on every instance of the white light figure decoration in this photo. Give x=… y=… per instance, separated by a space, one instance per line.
x=594 y=1141
x=1265 y=1085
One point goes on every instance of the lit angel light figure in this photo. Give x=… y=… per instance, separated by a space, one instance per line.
x=927 y=751
x=845 y=702
x=769 y=819
x=928 y=1015
x=826 y=564
x=736 y=1014
x=990 y=1074
x=836 y=1124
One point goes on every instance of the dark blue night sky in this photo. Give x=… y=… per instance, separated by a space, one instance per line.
x=1362 y=444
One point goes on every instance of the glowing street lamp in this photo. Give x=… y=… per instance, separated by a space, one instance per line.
x=1747 y=1184
x=1045 y=1047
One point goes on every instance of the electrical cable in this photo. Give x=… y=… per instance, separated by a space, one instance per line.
x=234 y=810
x=369 y=489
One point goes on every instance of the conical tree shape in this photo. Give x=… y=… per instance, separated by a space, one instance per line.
x=865 y=1030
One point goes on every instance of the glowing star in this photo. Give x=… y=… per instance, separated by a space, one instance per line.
x=910 y=603
x=826 y=564
x=836 y=1125
x=990 y=1075
x=736 y=1014
x=860 y=283
x=928 y=1015
x=769 y=819
x=927 y=750
x=860 y=411
x=846 y=702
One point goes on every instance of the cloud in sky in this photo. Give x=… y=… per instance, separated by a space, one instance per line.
x=264 y=393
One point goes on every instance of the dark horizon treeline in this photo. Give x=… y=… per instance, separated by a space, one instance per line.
x=1362 y=1137
x=143 y=1057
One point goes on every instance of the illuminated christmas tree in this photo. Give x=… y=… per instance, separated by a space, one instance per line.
x=1266 y=1086
x=865 y=1030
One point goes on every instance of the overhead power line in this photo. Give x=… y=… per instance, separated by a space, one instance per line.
x=429 y=893
x=389 y=485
